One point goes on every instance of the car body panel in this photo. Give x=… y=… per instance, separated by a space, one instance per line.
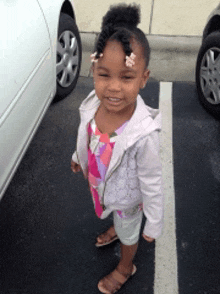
x=16 y=35
x=14 y=143
x=214 y=12
x=213 y=22
x=27 y=75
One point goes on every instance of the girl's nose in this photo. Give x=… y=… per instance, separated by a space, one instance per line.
x=114 y=85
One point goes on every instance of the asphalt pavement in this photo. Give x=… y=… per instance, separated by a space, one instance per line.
x=196 y=144
x=47 y=222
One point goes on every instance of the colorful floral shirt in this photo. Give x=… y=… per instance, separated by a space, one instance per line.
x=99 y=155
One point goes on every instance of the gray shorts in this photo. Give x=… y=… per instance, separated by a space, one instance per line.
x=128 y=228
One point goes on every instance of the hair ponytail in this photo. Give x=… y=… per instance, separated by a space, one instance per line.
x=105 y=34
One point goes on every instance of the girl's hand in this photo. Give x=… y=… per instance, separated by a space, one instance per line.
x=147 y=238
x=75 y=167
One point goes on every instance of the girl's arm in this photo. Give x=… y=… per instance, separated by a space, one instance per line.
x=150 y=178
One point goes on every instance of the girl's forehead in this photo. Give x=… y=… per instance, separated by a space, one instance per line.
x=115 y=47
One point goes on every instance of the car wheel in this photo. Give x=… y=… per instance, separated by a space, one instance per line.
x=208 y=74
x=69 y=56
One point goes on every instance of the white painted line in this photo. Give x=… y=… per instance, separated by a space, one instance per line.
x=166 y=280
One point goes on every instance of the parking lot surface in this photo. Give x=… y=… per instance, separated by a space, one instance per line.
x=47 y=222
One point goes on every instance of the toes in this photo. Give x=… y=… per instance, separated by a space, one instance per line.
x=101 y=239
x=106 y=237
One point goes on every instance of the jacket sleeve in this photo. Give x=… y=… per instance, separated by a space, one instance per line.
x=150 y=179
x=94 y=101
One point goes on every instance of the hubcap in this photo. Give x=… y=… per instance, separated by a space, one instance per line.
x=210 y=75
x=67 y=58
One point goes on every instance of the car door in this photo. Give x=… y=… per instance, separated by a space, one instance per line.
x=27 y=82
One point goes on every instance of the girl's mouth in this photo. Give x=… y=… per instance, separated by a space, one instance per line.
x=114 y=100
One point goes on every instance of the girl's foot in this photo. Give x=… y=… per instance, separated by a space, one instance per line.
x=107 y=238
x=114 y=281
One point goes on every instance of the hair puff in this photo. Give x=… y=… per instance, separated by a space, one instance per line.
x=122 y=15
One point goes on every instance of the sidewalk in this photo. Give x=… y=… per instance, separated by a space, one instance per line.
x=172 y=58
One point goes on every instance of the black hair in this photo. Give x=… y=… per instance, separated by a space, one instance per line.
x=120 y=24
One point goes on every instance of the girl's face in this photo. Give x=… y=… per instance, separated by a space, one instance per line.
x=117 y=85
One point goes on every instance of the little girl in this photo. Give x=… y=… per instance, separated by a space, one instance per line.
x=118 y=141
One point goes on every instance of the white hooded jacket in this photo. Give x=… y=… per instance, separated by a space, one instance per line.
x=134 y=174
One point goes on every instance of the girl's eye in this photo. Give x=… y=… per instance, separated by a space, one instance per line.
x=103 y=75
x=127 y=77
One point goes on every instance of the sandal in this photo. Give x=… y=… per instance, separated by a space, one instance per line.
x=114 y=281
x=106 y=239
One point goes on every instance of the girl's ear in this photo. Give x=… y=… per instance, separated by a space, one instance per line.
x=145 y=78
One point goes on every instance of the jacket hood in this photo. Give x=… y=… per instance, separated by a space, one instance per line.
x=143 y=121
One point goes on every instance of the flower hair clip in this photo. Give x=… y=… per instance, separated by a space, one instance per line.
x=130 y=60
x=94 y=57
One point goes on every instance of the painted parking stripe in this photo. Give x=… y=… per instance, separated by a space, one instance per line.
x=166 y=280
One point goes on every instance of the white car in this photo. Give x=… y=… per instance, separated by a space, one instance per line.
x=40 y=58
x=208 y=65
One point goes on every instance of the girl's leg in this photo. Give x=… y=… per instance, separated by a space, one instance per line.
x=128 y=230
x=128 y=252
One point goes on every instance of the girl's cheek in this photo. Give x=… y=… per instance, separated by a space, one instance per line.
x=101 y=84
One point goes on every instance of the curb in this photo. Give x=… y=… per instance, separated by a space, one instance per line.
x=174 y=43
x=157 y=42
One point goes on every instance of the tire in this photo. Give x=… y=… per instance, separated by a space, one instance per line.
x=208 y=74
x=69 y=56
